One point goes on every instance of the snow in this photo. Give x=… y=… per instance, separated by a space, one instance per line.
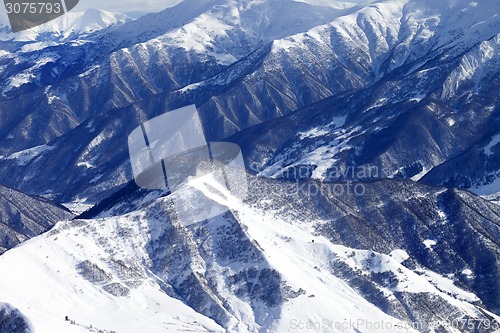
x=85 y=165
x=335 y=140
x=95 y=143
x=25 y=156
x=399 y=255
x=64 y=27
x=45 y=266
x=335 y=4
x=53 y=289
x=41 y=278
x=324 y=130
x=200 y=35
x=474 y=66
x=17 y=81
x=468 y=273
x=429 y=243
x=78 y=206
x=29 y=75
x=488 y=189
x=445 y=284
x=494 y=198
x=31 y=47
x=420 y=175
x=418 y=281
x=288 y=249
x=494 y=141
x=442 y=216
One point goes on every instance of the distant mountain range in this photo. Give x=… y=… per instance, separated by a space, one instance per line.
x=72 y=25
x=401 y=80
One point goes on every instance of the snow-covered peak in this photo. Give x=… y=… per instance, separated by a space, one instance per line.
x=86 y=22
x=237 y=27
x=228 y=25
x=68 y=26
x=260 y=269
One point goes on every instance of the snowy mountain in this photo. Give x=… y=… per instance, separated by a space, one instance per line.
x=376 y=61
x=72 y=25
x=23 y=217
x=277 y=260
x=397 y=97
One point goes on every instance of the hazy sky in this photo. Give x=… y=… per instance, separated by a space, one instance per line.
x=125 y=6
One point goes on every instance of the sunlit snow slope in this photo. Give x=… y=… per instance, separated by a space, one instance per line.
x=271 y=264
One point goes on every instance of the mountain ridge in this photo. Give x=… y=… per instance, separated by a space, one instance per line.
x=273 y=76
x=23 y=217
x=72 y=25
x=274 y=255
x=396 y=99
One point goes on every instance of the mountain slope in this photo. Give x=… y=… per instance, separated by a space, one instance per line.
x=13 y=321
x=23 y=217
x=378 y=62
x=274 y=261
x=374 y=95
x=72 y=25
